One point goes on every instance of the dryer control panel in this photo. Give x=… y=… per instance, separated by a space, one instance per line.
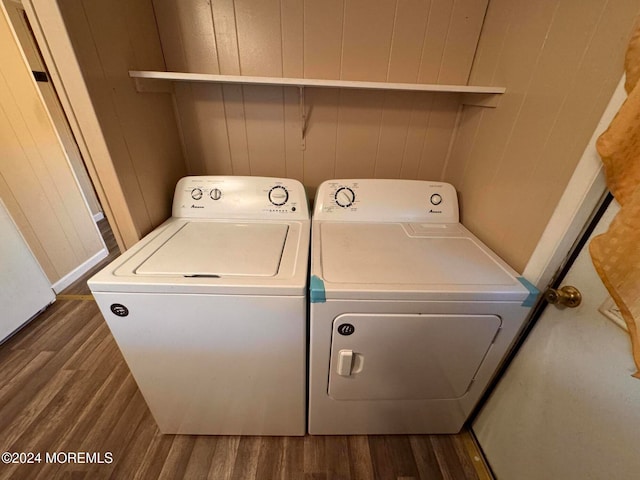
x=380 y=200
x=240 y=197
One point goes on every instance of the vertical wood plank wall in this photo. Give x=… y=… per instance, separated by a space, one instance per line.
x=30 y=49
x=560 y=62
x=36 y=180
x=109 y=39
x=256 y=130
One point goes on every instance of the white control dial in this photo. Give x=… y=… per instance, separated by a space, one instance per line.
x=215 y=194
x=196 y=193
x=436 y=199
x=278 y=195
x=345 y=197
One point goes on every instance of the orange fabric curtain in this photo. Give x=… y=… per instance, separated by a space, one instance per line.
x=616 y=253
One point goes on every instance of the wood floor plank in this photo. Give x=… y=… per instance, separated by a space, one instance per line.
x=314 y=457
x=425 y=457
x=404 y=463
x=153 y=459
x=224 y=457
x=336 y=451
x=178 y=457
x=270 y=460
x=127 y=460
x=246 y=464
x=201 y=456
x=381 y=457
x=292 y=459
x=360 y=464
x=446 y=454
x=31 y=411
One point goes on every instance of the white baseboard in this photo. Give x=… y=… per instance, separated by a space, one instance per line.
x=98 y=216
x=80 y=270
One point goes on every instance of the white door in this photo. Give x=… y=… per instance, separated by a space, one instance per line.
x=567 y=407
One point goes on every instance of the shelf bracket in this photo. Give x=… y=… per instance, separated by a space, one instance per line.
x=303 y=119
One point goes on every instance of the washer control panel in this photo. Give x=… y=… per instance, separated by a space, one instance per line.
x=240 y=197
x=386 y=200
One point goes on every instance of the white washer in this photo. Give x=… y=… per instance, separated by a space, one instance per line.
x=410 y=313
x=210 y=309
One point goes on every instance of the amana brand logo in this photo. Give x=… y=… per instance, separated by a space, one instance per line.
x=197 y=206
x=435 y=211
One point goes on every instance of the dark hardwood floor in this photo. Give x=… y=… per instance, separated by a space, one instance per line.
x=65 y=388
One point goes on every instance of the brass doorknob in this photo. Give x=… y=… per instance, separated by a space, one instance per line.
x=567 y=296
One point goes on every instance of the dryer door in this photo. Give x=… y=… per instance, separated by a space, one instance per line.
x=385 y=357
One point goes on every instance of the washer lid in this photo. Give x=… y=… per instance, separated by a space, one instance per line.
x=219 y=249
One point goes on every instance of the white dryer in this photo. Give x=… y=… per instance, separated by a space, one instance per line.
x=210 y=309
x=410 y=313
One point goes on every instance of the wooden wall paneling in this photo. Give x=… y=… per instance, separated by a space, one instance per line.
x=560 y=62
x=524 y=169
x=410 y=23
x=394 y=129
x=152 y=156
x=525 y=37
x=52 y=36
x=25 y=228
x=292 y=26
x=187 y=35
x=359 y=121
x=416 y=135
x=235 y=117
x=198 y=36
x=29 y=47
x=468 y=128
x=293 y=125
x=141 y=26
x=265 y=130
x=224 y=21
x=38 y=183
x=167 y=16
x=208 y=117
x=40 y=157
x=435 y=40
x=439 y=132
x=322 y=126
x=292 y=15
x=376 y=133
x=323 y=29
x=259 y=37
x=575 y=119
x=461 y=41
x=88 y=55
x=366 y=42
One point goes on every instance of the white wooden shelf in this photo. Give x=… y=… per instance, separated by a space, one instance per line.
x=473 y=95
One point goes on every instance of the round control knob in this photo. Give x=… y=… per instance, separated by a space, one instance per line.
x=436 y=199
x=196 y=193
x=215 y=194
x=278 y=195
x=345 y=197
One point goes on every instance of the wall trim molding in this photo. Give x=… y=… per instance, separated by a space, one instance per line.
x=79 y=271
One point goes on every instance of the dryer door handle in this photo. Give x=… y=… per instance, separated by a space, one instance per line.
x=345 y=360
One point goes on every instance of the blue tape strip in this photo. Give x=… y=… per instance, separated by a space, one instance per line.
x=530 y=301
x=316 y=290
